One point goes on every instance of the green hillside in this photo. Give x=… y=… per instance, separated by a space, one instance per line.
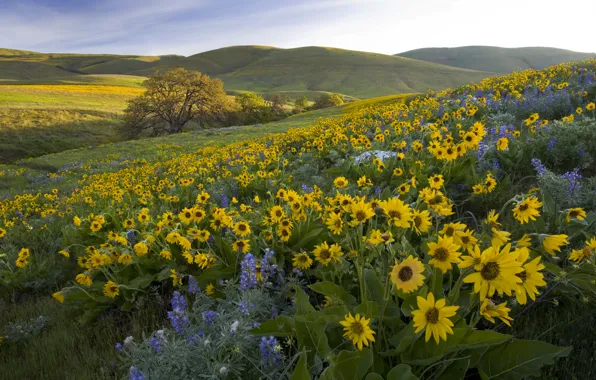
x=496 y=59
x=266 y=69
x=23 y=70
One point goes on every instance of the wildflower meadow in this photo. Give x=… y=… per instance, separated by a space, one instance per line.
x=397 y=241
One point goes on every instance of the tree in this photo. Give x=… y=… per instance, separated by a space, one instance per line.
x=301 y=102
x=250 y=102
x=173 y=99
x=328 y=100
x=276 y=102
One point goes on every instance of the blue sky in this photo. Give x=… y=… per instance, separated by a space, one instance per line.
x=186 y=27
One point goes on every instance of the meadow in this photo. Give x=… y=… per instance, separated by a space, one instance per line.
x=435 y=236
x=42 y=118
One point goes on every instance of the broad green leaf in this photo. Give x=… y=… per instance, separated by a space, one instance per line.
x=374 y=289
x=425 y=353
x=332 y=290
x=373 y=376
x=369 y=309
x=301 y=370
x=311 y=335
x=401 y=341
x=141 y=282
x=518 y=359
x=401 y=372
x=302 y=302
x=455 y=370
x=436 y=280
x=281 y=326
x=351 y=365
x=306 y=239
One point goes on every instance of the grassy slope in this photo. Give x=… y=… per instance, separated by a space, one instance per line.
x=268 y=69
x=70 y=113
x=496 y=59
x=348 y=72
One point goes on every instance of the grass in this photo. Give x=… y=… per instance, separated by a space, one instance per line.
x=261 y=69
x=496 y=59
x=84 y=352
x=38 y=119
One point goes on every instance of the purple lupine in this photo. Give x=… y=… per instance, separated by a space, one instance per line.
x=225 y=202
x=551 y=144
x=268 y=270
x=209 y=316
x=248 y=277
x=538 y=166
x=193 y=285
x=270 y=351
x=155 y=343
x=177 y=316
x=574 y=180
x=135 y=374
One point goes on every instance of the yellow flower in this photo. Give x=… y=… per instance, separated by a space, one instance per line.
x=141 y=249
x=77 y=221
x=302 y=261
x=398 y=212
x=176 y=279
x=84 y=279
x=186 y=215
x=241 y=246
x=111 y=289
x=325 y=254
x=591 y=106
x=128 y=223
x=277 y=214
x=125 y=259
x=340 y=182
x=361 y=212
x=210 y=289
x=421 y=221
x=335 y=223
x=578 y=255
x=525 y=241
x=503 y=143
x=241 y=229
x=434 y=316
x=553 y=243
x=407 y=276
x=436 y=181
x=465 y=239
x=59 y=296
x=497 y=274
x=357 y=329
x=166 y=254
x=473 y=259
x=576 y=213
x=489 y=310
x=530 y=276
x=95 y=226
x=444 y=253
x=527 y=210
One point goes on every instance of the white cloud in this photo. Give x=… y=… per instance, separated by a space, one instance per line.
x=386 y=26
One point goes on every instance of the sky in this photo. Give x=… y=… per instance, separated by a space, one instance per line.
x=186 y=27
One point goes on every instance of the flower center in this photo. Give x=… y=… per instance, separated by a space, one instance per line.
x=441 y=254
x=523 y=207
x=465 y=239
x=405 y=274
x=325 y=254
x=395 y=214
x=357 y=328
x=432 y=316
x=360 y=215
x=490 y=271
x=523 y=275
x=417 y=221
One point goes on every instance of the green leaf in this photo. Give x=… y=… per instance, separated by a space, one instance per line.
x=281 y=326
x=311 y=335
x=437 y=283
x=351 y=365
x=141 y=282
x=425 y=353
x=305 y=239
x=518 y=359
x=548 y=203
x=374 y=289
x=410 y=303
x=368 y=309
x=455 y=370
x=401 y=372
x=373 y=376
x=401 y=340
x=302 y=302
x=301 y=370
x=332 y=290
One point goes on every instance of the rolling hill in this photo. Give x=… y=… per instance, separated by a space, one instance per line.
x=496 y=59
x=261 y=69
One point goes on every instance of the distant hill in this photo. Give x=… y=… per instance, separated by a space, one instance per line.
x=496 y=59
x=264 y=69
